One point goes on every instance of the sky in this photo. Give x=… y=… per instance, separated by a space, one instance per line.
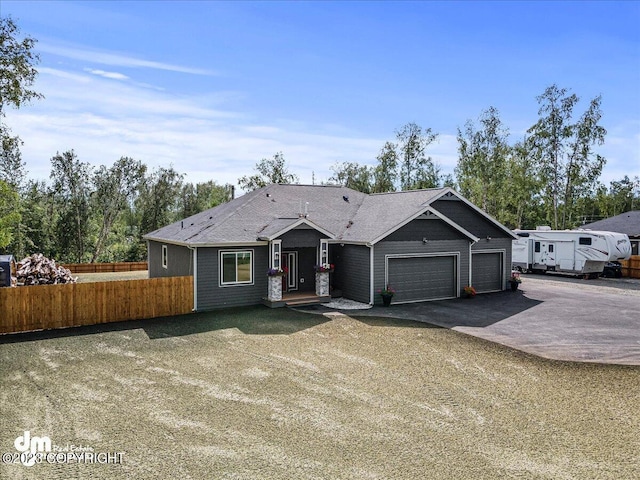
x=211 y=88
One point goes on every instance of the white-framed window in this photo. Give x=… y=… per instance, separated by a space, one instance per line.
x=276 y=251
x=164 y=256
x=324 y=252
x=236 y=267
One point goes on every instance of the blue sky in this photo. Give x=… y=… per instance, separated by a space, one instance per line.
x=213 y=87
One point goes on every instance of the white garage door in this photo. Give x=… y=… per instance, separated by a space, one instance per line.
x=417 y=279
x=486 y=272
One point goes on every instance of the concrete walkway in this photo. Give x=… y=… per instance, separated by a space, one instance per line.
x=555 y=318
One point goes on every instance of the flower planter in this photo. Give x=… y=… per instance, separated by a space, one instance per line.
x=514 y=286
x=386 y=300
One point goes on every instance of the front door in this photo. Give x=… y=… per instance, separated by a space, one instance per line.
x=290 y=280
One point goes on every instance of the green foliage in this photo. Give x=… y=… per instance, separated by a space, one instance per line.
x=482 y=169
x=385 y=173
x=352 y=175
x=202 y=196
x=567 y=163
x=9 y=215
x=158 y=199
x=416 y=169
x=17 y=71
x=272 y=170
x=71 y=187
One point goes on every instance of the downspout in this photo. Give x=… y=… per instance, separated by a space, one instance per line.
x=195 y=277
x=471 y=243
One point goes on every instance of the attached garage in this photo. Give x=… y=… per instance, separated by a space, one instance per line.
x=487 y=271
x=424 y=277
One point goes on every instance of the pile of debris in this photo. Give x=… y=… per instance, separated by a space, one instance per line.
x=39 y=270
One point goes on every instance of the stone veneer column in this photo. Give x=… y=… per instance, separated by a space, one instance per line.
x=275 y=289
x=322 y=284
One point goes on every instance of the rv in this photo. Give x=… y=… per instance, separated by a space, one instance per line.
x=577 y=252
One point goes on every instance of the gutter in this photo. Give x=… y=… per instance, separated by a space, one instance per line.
x=195 y=277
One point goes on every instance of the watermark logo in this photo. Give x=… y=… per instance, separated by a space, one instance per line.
x=33 y=449
x=32 y=445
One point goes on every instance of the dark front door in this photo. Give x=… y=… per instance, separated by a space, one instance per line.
x=290 y=280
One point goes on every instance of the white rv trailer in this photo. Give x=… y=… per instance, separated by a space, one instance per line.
x=578 y=252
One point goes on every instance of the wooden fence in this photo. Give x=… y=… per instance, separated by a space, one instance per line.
x=105 y=267
x=44 y=307
x=631 y=267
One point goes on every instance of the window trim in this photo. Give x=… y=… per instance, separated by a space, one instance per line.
x=221 y=281
x=165 y=256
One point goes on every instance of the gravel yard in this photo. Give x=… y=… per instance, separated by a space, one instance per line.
x=277 y=394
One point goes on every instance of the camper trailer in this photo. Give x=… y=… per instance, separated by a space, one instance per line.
x=577 y=252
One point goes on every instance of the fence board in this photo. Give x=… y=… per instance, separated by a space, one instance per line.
x=631 y=267
x=43 y=307
x=106 y=267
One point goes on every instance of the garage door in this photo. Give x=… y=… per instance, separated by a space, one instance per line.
x=418 y=279
x=486 y=271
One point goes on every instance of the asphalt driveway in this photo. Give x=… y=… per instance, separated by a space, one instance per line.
x=553 y=317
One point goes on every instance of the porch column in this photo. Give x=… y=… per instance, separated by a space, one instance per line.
x=322 y=284
x=275 y=288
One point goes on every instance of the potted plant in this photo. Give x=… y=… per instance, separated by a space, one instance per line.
x=325 y=267
x=514 y=281
x=387 y=294
x=277 y=272
x=469 y=291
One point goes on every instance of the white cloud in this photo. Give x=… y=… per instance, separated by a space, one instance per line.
x=102 y=73
x=115 y=59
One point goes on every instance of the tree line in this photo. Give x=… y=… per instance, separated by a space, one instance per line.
x=551 y=176
x=548 y=177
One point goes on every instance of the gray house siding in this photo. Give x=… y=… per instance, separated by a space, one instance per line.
x=179 y=260
x=352 y=271
x=300 y=238
x=431 y=229
x=211 y=295
x=469 y=219
x=459 y=247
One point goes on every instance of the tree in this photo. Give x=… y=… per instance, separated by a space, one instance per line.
x=385 y=173
x=269 y=171
x=568 y=165
x=482 y=163
x=158 y=199
x=17 y=71
x=71 y=186
x=416 y=169
x=17 y=75
x=115 y=187
x=9 y=216
x=352 y=175
x=202 y=196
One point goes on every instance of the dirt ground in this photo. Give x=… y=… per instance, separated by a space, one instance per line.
x=256 y=393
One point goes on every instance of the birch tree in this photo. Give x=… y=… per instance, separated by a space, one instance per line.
x=568 y=163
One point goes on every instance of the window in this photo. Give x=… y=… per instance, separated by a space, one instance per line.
x=236 y=267
x=635 y=247
x=164 y=256
x=537 y=247
x=276 y=247
x=550 y=248
x=584 y=240
x=324 y=252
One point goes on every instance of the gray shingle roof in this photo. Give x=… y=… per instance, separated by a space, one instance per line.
x=628 y=223
x=343 y=213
